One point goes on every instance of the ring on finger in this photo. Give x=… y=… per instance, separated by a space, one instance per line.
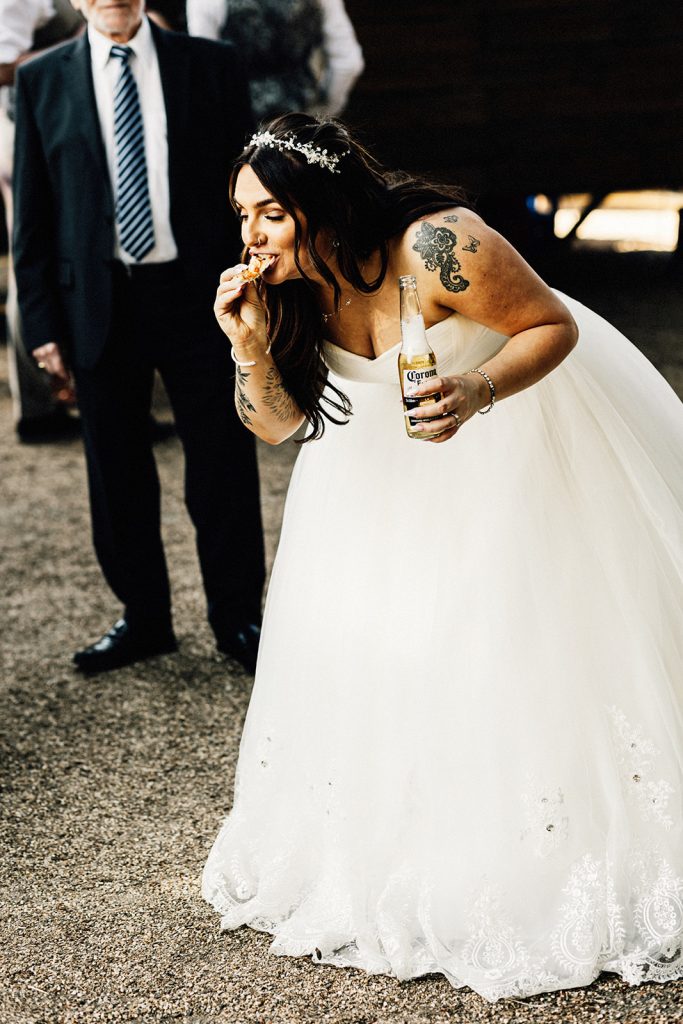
x=458 y=422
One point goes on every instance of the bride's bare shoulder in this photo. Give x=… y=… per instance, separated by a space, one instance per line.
x=463 y=264
x=432 y=240
x=442 y=230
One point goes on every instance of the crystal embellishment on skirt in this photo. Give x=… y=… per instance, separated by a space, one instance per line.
x=546 y=826
x=638 y=756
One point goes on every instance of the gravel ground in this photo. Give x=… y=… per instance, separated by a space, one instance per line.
x=113 y=788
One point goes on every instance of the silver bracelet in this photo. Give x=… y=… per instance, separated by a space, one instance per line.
x=492 y=391
x=236 y=360
x=252 y=362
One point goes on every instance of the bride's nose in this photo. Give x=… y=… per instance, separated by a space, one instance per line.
x=251 y=237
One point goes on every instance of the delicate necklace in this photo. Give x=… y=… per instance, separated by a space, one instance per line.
x=328 y=316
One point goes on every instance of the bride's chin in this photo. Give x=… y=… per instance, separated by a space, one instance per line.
x=283 y=277
x=277 y=274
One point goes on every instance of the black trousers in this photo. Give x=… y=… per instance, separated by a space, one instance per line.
x=156 y=326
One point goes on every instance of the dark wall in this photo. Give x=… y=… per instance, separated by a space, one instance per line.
x=522 y=95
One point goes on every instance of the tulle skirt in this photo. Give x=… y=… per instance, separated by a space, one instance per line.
x=464 y=748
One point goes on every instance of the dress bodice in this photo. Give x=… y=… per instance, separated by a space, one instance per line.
x=458 y=342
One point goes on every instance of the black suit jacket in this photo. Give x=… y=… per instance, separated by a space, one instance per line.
x=64 y=209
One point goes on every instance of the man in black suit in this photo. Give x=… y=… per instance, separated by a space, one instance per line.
x=124 y=143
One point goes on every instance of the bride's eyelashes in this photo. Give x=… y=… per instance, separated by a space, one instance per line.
x=268 y=216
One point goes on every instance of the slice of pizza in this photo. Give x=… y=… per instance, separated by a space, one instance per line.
x=256 y=266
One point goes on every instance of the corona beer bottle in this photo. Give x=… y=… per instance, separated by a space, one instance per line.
x=416 y=360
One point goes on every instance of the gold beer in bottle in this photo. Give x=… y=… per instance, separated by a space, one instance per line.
x=416 y=360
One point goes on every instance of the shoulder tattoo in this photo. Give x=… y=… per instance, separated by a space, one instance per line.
x=436 y=247
x=242 y=402
x=276 y=398
x=451 y=218
x=473 y=244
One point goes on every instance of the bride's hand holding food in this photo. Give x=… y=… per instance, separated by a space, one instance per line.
x=238 y=308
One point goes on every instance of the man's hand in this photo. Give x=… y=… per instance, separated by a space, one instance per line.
x=49 y=358
x=7 y=73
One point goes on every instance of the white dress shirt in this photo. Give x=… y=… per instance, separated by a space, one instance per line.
x=342 y=49
x=145 y=67
x=19 y=19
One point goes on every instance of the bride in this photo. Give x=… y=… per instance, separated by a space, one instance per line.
x=464 y=748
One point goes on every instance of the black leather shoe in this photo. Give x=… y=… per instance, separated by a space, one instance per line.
x=241 y=644
x=123 y=645
x=56 y=426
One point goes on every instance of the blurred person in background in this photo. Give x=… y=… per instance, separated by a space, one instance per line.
x=298 y=54
x=41 y=401
x=124 y=143
x=26 y=27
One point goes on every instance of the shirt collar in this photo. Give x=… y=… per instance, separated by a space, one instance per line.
x=141 y=44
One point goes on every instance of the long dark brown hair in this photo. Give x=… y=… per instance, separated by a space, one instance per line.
x=362 y=207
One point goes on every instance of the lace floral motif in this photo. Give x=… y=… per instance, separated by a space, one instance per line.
x=496 y=950
x=616 y=907
x=591 y=921
x=659 y=907
x=493 y=946
x=638 y=756
x=590 y=934
x=660 y=912
x=546 y=826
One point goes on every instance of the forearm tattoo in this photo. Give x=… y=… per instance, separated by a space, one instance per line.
x=242 y=402
x=276 y=398
x=436 y=247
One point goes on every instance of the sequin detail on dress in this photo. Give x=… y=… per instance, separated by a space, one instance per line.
x=638 y=756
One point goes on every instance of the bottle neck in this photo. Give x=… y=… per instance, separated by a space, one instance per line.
x=414 y=336
x=410 y=301
x=413 y=333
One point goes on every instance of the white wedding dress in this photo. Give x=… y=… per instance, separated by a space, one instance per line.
x=464 y=749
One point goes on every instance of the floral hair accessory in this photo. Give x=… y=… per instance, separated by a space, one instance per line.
x=313 y=154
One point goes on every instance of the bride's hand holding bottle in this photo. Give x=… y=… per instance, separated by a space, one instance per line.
x=461 y=397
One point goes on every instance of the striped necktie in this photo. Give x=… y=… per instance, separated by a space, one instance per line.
x=133 y=207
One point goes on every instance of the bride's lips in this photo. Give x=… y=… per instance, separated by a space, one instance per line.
x=259 y=263
x=273 y=260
